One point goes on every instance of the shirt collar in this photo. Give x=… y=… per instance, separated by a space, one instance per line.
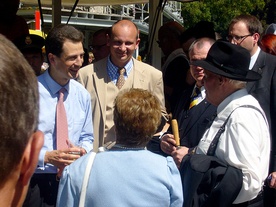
x=202 y=91
x=254 y=58
x=53 y=86
x=112 y=69
x=231 y=99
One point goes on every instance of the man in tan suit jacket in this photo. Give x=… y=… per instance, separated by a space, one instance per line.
x=101 y=77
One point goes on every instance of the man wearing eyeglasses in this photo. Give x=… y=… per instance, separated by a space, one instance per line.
x=245 y=30
x=98 y=44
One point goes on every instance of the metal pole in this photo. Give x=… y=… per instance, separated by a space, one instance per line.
x=56 y=12
x=157 y=21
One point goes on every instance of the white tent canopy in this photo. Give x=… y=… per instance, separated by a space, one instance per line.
x=57 y=5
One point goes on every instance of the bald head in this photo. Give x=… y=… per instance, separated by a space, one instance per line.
x=198 y=51
x=125 y=24
x=123 y=41
x=202 y=44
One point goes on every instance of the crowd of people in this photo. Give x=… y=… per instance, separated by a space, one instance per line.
x=119 y=110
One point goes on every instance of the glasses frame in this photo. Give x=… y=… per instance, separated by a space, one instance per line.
x=96 y=47
x=237 y=38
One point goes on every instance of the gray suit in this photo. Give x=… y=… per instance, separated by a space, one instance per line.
x=95 y=78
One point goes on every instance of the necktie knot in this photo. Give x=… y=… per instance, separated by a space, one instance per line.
x=196 y=92
x=194 y=97
x=122 y=71
x=61 y=94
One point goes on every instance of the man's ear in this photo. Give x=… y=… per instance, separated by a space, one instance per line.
x=137 y=43
x=30 y=157
x=256 y=38
x=51 y=58
x=221 y=79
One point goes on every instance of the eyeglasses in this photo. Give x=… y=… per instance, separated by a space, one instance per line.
x=237 y=38
x=96 y=47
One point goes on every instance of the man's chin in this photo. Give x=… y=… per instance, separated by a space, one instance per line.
x=74 y=75
x=123 y=57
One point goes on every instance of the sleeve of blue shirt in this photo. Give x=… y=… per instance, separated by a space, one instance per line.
x=87 y=137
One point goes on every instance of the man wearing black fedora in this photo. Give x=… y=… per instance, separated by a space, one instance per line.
x=245 y=143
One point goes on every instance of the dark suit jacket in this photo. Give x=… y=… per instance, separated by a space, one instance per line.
x=264 y=90
x=175 y=78
x=192 y=123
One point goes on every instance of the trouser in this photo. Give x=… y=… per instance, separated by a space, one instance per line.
x=269 y=197
x=42 y=191
x=256 y=202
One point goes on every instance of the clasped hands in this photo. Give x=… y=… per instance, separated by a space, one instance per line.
x=168 y=145
x=64 y=157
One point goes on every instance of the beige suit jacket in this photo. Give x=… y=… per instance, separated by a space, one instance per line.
x=94 y=78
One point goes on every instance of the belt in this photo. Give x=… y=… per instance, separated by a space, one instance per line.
x=258 y=199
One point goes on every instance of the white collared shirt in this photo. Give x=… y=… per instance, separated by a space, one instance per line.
x=245 y=143
x=254 y=58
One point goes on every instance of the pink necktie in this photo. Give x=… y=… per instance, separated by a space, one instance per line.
x=121 y=78
x=61 y=122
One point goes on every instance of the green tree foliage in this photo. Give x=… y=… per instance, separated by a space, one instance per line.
x=220 y=12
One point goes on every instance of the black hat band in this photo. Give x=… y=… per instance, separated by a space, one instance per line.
x=229 y=70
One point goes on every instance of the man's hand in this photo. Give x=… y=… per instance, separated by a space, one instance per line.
x=272 y=182
x=168 y=144
x=178 y=154
x=62 y=158
x=81 y=150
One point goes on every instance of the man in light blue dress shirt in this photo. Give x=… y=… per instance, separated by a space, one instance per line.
x=64 y=51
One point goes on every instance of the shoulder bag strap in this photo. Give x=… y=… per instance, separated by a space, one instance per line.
x=214 y=143
x=85 y=179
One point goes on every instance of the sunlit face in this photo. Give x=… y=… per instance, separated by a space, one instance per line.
x=35 y=59
x=123 y=42
x=66 y=66
x=198 y=54
x=239 y=35
x=211 y=84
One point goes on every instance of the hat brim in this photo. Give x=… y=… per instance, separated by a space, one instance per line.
x=31 y=48
x=250 y=76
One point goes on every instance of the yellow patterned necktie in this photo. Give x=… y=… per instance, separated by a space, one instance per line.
x=194 y=98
